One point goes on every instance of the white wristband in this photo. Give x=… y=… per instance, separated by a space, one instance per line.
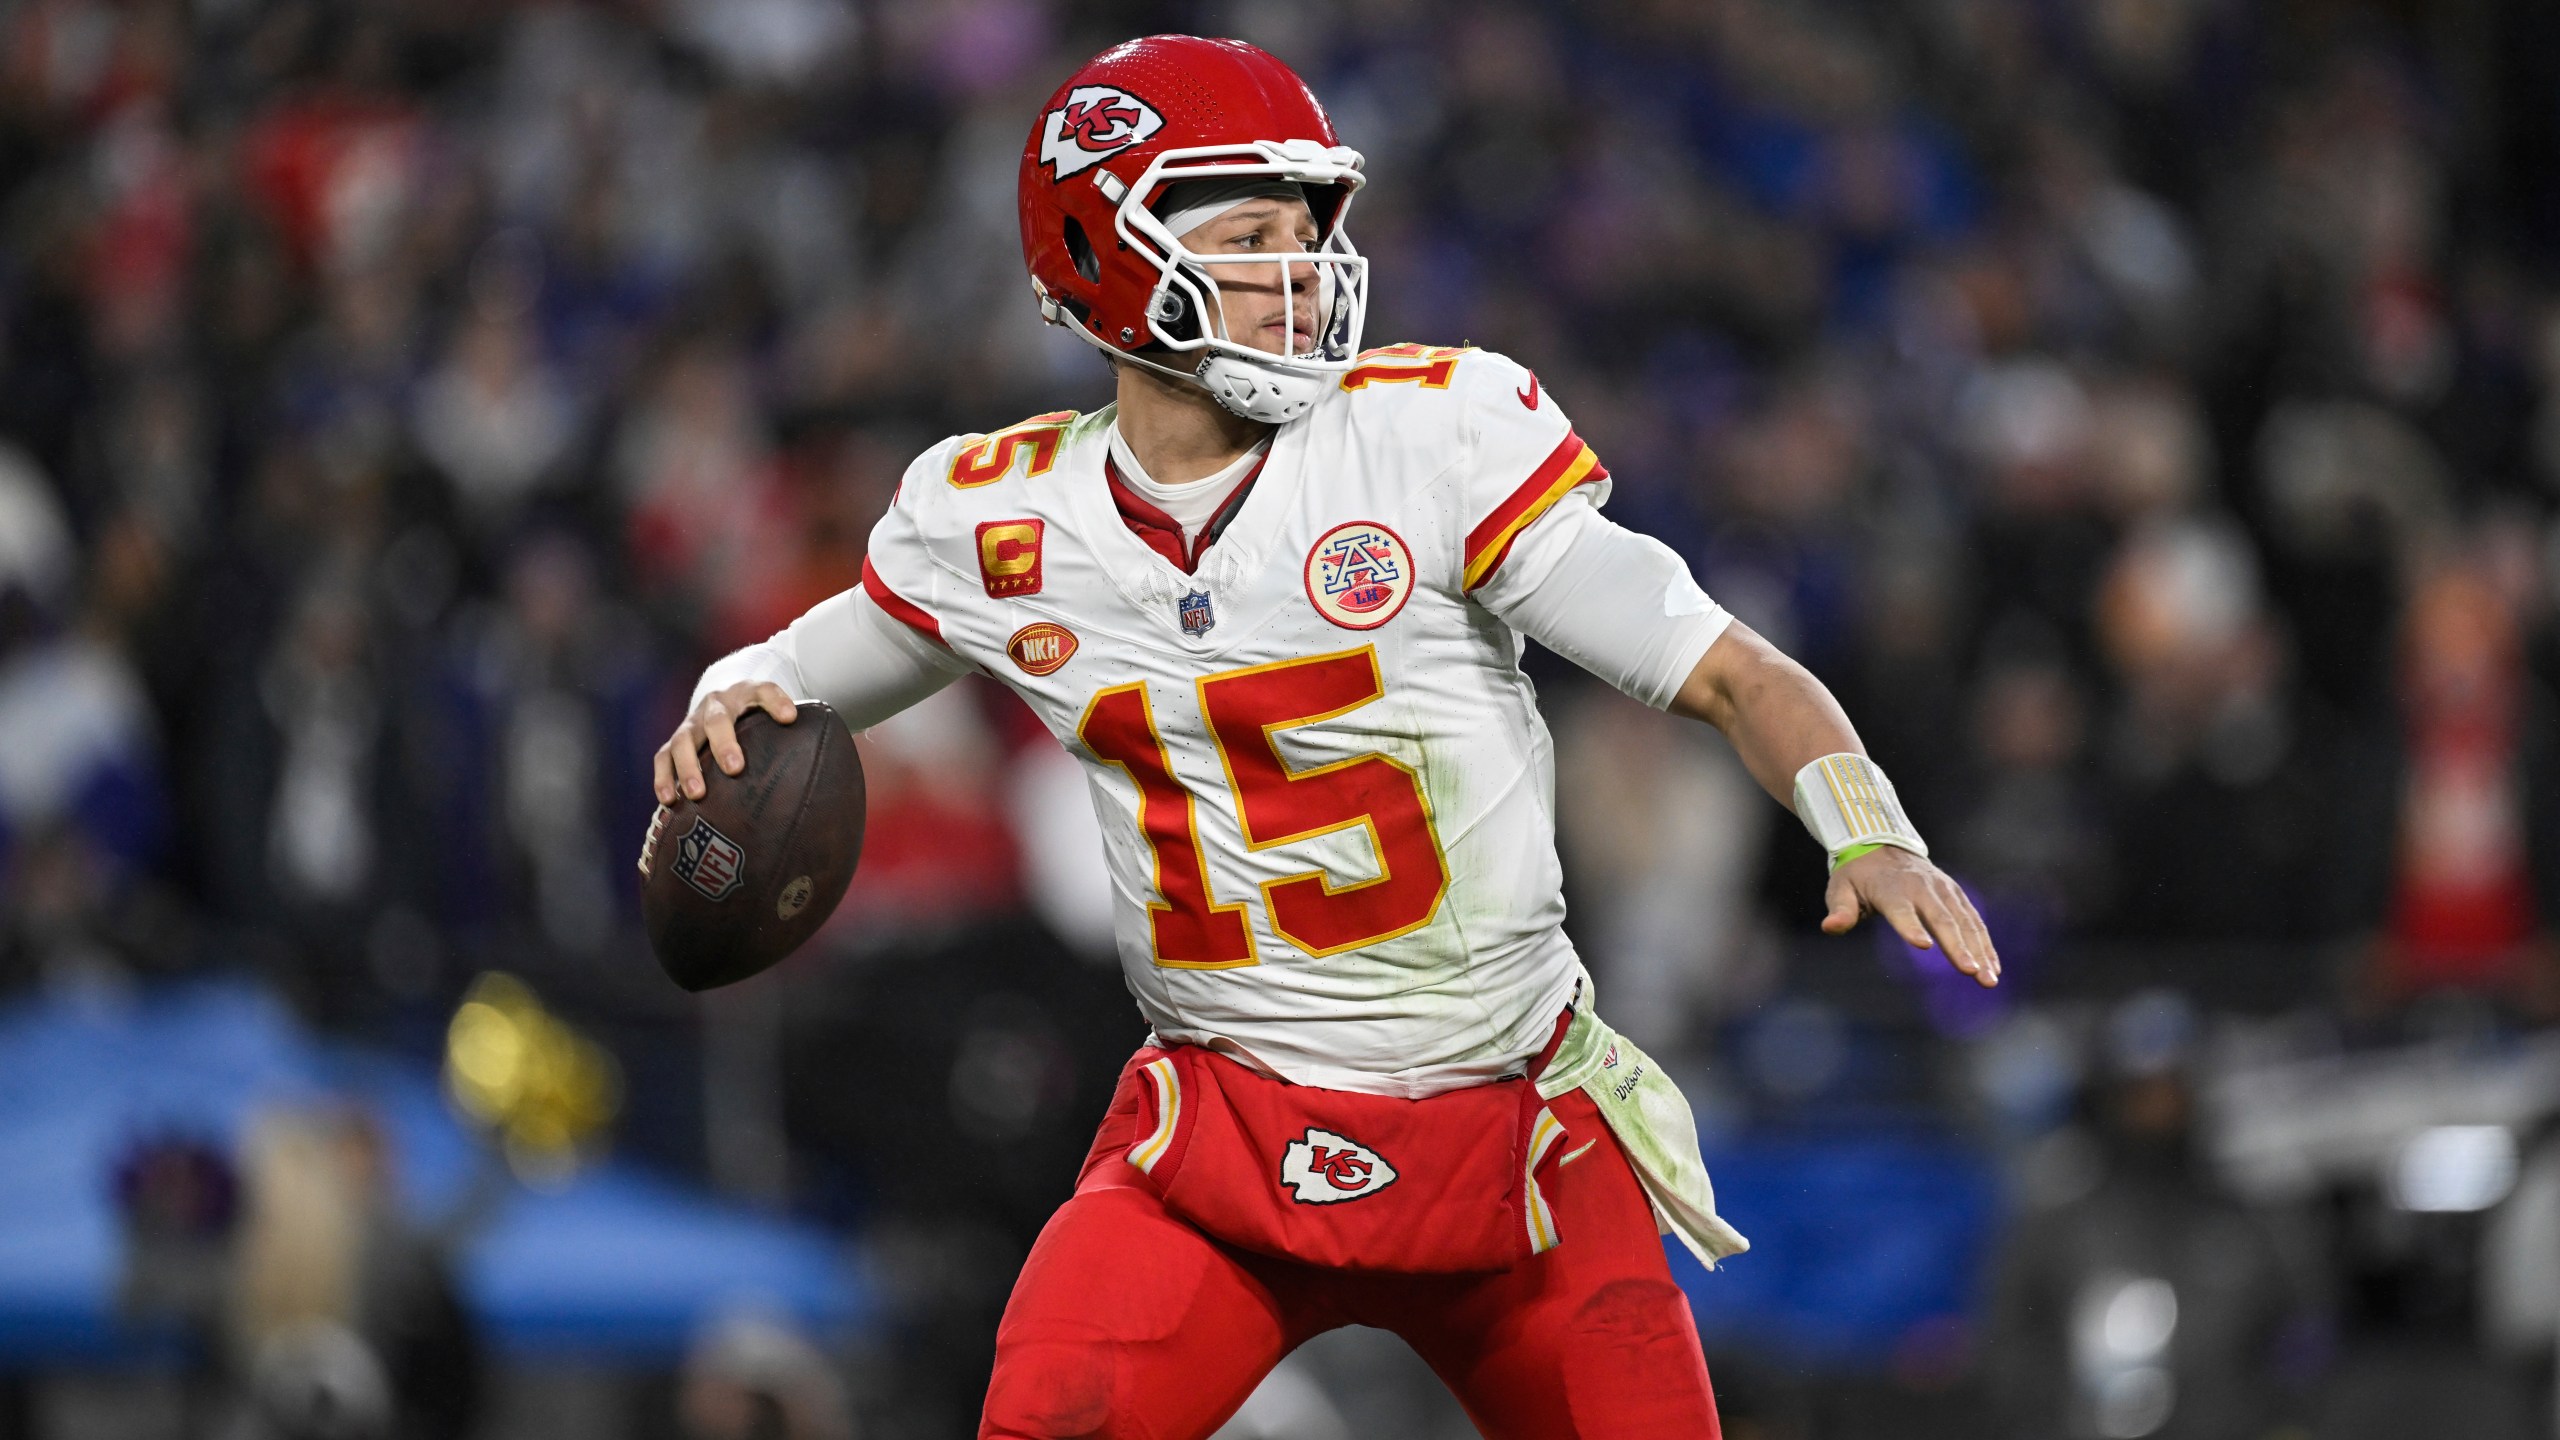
x=1845 y=800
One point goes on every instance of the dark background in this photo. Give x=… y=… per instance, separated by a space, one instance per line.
x=2144 y=413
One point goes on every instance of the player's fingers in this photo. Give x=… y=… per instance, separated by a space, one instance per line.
x=1899 y=913
x=1981 y=932
x=721 y=729
x=776 y=702
x=685 y=751
x=1954 y=940
x=1954 y=909
x=1842 y=897
x=1965 y=928
x=662 y=776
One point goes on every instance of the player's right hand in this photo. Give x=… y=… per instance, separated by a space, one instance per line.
x=714 y=722
x=1926 y=908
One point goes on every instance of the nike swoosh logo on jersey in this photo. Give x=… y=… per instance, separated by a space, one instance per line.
x=1529 y=397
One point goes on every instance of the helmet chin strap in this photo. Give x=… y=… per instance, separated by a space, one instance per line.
x=1270 y=393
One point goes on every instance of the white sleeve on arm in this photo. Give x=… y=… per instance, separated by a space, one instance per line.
x=848 y=652
x=1619 y=604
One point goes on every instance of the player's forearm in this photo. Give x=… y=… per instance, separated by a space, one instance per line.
x=761 y=661
x=1778 y=716
x=848 y=653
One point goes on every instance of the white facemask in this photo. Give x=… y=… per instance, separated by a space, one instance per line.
x=1184 y=315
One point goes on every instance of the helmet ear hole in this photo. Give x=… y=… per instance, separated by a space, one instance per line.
x=1080 y=252
x=1175 y=317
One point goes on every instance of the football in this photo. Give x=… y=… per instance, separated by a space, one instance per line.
x=734 y=881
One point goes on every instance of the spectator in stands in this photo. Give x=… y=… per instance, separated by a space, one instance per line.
x=2466 y=909
x=542 y=697
x=753 y=1376
x=2210 y=742
x=342 y=1308
x=2148 y=1302
x=397 y=405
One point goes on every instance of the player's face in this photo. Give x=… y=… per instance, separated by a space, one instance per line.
x=1258 y=312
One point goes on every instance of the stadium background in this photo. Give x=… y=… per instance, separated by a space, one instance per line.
x=2145 y=413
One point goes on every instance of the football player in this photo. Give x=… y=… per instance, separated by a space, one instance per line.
x=1273 y=597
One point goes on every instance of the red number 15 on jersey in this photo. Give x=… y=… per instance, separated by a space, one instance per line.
x=1277 y=805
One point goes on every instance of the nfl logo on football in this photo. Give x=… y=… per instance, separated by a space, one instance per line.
x=1197 y=618
x=709 y=861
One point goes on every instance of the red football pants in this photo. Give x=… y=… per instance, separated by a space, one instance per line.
x=1128 y=1323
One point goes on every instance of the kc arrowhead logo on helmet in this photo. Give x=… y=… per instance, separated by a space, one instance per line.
x=1096 y=123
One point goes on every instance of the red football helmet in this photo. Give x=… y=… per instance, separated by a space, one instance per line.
x=1140 y=118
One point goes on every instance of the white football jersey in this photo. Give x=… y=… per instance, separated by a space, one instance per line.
x=1324 y=786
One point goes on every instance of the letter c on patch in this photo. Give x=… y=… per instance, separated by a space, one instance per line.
x=1009 y=557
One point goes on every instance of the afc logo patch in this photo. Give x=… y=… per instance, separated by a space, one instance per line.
x=1096 y=123
x=1359 y=575
x=1009 y=557
x=1320 y=1168
x=709 y=861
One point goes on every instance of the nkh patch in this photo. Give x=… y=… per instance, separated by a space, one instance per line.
x=1321 y=1168
x=1197 y=616
x=1041 y=647
x=1359 y=574
x=709 y=861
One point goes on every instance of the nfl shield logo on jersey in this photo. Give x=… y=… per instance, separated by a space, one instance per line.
x=709 y=861
x=1321 y=1168
x=1359 y=574
x=1197 y=618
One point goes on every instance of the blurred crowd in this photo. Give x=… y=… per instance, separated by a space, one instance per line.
x=2145 y=413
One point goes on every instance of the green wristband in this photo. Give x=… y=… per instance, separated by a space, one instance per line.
x=1852 y=852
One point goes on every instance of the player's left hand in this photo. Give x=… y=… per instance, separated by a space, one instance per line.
x=1922 y=905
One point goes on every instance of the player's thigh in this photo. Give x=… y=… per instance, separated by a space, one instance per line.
x=1128 y=1323
x=1593 y=1338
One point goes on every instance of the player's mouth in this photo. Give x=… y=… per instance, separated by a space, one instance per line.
x=1283 y=337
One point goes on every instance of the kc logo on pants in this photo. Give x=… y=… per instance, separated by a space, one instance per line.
x=1322 y=1167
